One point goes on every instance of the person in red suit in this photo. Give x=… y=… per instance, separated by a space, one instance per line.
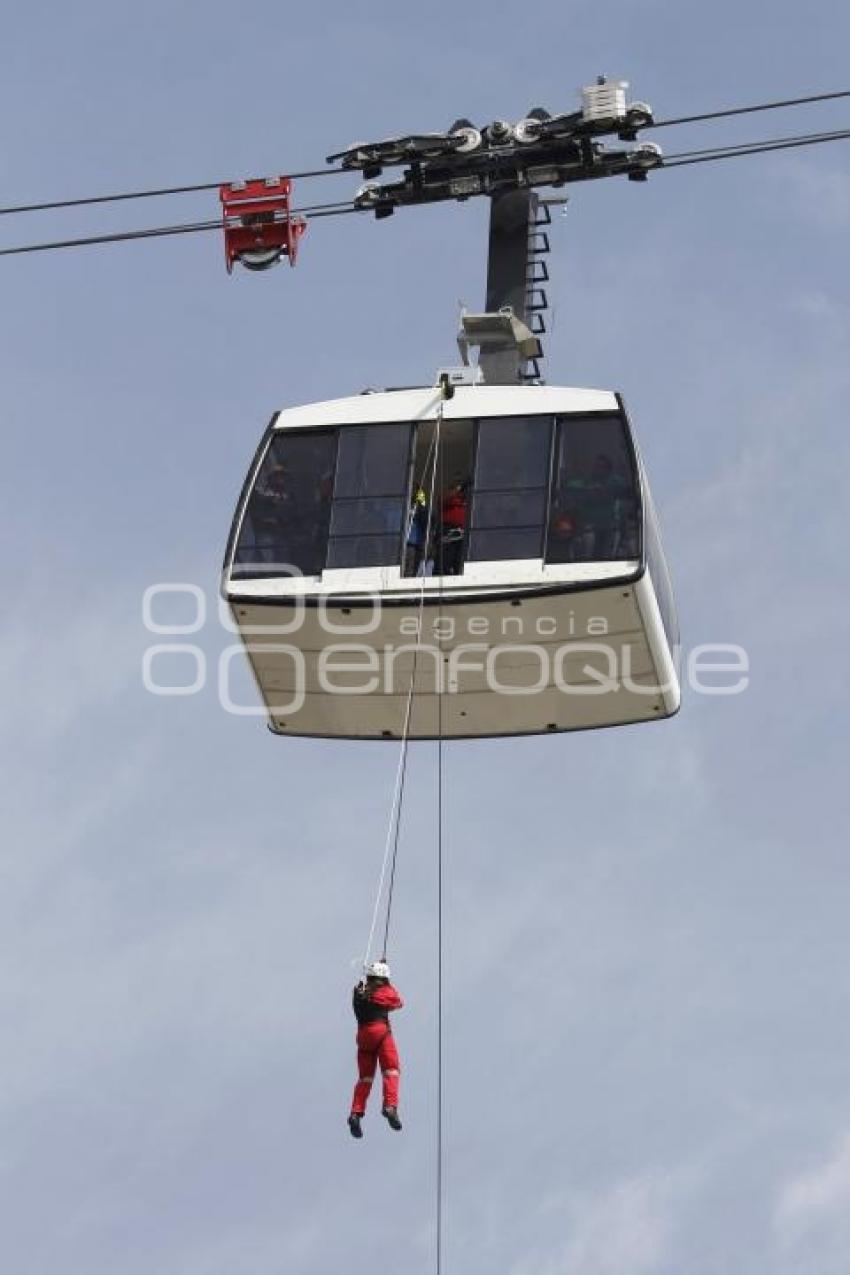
x=374 y=1000
x=452 y=529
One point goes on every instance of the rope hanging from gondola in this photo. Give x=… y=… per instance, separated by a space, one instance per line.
x=391 y=843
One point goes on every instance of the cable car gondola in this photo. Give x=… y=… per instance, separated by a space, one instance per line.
x=535 y=597
x=555 y=612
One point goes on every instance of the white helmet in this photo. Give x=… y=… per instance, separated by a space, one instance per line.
x=378 y=969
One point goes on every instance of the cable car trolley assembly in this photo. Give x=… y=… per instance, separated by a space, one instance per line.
x=480 y=556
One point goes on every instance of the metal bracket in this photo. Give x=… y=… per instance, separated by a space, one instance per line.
x=504 y=342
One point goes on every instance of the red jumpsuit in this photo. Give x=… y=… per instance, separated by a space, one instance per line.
x=375 y=1045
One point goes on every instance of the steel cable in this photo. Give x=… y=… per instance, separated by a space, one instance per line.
x=160 y=232
x=153 y=194
x=749 y=110
x=682 y=158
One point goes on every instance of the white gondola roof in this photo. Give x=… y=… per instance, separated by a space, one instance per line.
x=421 y=404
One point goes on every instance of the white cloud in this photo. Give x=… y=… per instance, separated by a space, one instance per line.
x=819 y=306
x=817 y=1199
x=63 y=653
x=821 y=195
x=623 y=1230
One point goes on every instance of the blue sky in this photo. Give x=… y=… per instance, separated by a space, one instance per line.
x=646 y=940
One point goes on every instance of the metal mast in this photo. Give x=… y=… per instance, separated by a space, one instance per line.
x=508 y=332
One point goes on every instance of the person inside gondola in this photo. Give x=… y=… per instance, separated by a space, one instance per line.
x=374 y=999
x=452 y=529
x=271 y=510
x=592 y=511
x=417 y=534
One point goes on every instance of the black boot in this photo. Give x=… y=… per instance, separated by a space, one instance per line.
x=391 y=1114
x=354 y=1125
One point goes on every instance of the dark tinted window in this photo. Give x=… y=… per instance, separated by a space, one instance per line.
x=369 y=496
x=363 y=551
x=372 y=460
x=505 y=544
x=285 y=526
x=509 y=494
x=594 y=512
x=369 y=516
x=510 y=508
x=513 y=451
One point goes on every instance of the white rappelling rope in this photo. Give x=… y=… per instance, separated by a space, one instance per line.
x=391 y=843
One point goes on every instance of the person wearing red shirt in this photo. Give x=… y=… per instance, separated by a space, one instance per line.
x=453 y=512
x=374 y=1000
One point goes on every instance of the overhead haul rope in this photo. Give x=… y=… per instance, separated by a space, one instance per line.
x=708 y=155
x=154 y=194
x=749 y=110
x=159 y=232
x=394 y=822
x=339 y=170
x=347 y=207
